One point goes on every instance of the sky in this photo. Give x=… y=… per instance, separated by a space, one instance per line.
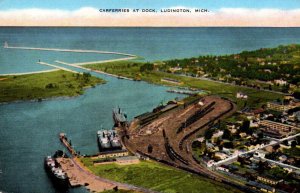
x=281 y=13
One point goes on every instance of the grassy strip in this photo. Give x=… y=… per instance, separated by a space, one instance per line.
x=44 y=85
x=157 y=177
x=120 y=191
x=132 y=69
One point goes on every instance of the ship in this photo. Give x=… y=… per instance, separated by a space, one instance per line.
x=108 y=140
x=120 y=118
x=115 y=141
x=58 y=176
x=103 y=140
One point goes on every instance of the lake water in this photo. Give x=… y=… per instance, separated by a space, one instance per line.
x=29 y=130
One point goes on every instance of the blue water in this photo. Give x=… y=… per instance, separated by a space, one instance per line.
x=16 y=60
x=29 y=130
x=150 y=43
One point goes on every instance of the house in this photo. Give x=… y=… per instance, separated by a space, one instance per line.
x=240 y=95
x=200 y=139
x=243 y=135
x=259 y=154
x=280 y=82
x=253 y=123
x=218 y=134
x=282 y=158
x=220 y=155
x=220 y=168
x=210 y=163
x=175 y=69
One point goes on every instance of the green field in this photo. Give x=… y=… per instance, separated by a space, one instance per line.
x=44 y=85
x=158 y=177
x=132 y=69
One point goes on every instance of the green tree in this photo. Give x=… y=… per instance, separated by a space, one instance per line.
x=226 y=134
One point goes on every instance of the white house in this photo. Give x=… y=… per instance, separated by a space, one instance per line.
x=280 y=82
x=240 y=95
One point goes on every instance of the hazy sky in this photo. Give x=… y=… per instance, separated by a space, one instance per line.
x=85 y=13
x=210 y=4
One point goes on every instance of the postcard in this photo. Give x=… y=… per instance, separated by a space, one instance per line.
x=149 y=96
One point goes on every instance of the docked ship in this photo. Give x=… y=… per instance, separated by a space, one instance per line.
x=120 y=118
x=115 y=142
x=58 y=176
x=103 y=140
x=108 y=140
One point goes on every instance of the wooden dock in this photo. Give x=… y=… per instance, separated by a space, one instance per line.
x=64 y=140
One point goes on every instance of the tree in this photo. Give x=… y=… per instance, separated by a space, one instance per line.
x=196 y=144
x=226 y=134
x=147 y=67
x=246 y=127
x=296 y=94
x=228 y=144
x=208 y=133
x=293 y=144
x=86 y=76
x=276 y=147
x=298 y=140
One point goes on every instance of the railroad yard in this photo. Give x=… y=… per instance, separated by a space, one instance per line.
x=166 y=134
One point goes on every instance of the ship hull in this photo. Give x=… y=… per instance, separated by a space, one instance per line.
x=59 y=183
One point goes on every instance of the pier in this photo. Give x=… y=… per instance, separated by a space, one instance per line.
x=69 y=50
x=64 y=140
x=58 y=67
x=76 y=65
x=97 y=71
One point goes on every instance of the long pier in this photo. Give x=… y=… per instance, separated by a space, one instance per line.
x=105 y=61
x=70 y=50
x=88 y=69
x=58 y=67
x=76 y=65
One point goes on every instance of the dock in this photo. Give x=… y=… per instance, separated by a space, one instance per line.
x=187 y=92
x=80 y=175
x=64 y=140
